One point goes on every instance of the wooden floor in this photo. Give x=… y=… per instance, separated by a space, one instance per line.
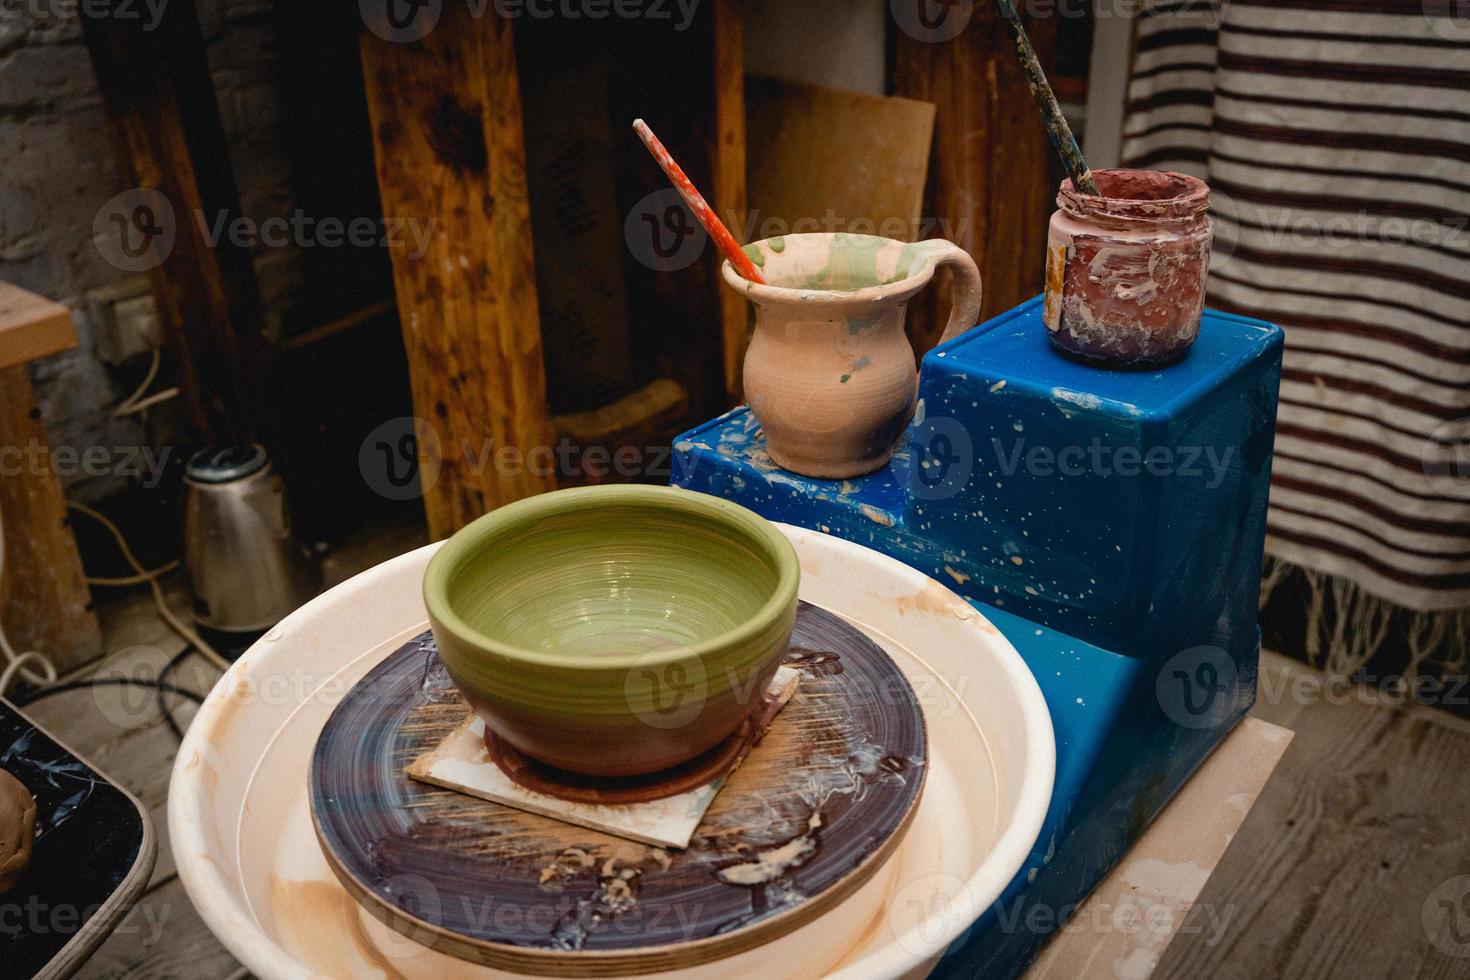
x=1367 y=815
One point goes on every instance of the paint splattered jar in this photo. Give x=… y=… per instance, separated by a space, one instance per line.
x=1126 y=269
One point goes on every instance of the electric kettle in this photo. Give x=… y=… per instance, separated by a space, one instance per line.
x=245 y=569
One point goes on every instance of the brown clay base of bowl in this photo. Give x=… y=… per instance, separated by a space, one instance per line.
x=542 y=778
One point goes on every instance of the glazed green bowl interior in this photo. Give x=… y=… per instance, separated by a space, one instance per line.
x=608 y=574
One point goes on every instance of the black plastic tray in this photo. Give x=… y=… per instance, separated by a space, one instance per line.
x=93 y=855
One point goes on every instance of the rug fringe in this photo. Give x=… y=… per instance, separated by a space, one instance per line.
x=1272 y=575
x=1346 y=626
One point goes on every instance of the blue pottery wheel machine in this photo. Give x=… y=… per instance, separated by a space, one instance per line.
x=1109 y=523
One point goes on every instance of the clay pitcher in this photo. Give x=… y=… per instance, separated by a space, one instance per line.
x=830 y=373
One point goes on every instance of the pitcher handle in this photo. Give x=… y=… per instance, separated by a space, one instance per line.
x=965 y=312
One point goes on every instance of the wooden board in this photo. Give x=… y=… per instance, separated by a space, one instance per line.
x=31 y=326
x=448 y=135
x=44 y=601
x=807 y=818
x=821 y=159
x=990 y=180
x=1133 y=914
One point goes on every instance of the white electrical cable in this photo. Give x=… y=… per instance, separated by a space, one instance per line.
x=151 y=577
x=135 y=402
x=17 y=662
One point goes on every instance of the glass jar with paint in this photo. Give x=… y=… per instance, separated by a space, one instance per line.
x=1126 y=269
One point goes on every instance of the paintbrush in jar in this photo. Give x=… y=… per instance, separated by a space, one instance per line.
x=726 y=242
x=1046 y=101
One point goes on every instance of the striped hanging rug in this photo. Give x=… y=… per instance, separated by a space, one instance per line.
x=1335 y=135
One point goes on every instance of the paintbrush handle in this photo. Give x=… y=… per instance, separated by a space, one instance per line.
x=726 y=242
x=1046 y=100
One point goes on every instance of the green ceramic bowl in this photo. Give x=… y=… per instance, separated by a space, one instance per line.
x=617 y=630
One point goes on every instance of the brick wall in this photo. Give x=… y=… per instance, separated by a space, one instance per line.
x=57 y=170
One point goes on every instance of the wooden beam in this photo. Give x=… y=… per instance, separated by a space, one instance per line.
x=991 y=188
x=31 y=326
x=448 y=134
x=159 y=97
x=333 y=328
x=616 y=443
x=44 y=601
x=730 y=179
x=651 y=408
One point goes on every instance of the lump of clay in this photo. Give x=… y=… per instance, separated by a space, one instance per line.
x=17 y=829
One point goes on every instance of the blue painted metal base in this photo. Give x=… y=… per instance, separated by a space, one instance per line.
x=1109 y=523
